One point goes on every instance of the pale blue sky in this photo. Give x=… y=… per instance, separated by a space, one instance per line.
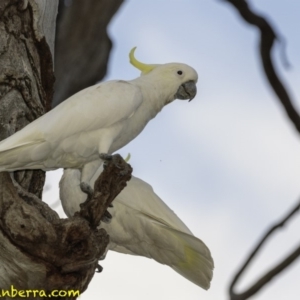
x=228 y=163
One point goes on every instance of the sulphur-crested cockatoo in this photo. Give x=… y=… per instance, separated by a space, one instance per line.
x=99 y=119
x=142 y=224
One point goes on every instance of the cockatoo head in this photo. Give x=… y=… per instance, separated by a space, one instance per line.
x=180 y=77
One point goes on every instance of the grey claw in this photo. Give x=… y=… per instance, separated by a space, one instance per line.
x=124 y=172
x=86 y=188
x=110 y=205
x=105 y=156
x=99 y=269
x=106 y=218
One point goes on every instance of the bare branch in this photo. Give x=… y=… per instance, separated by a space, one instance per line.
x=275 y=271
x=268 y=36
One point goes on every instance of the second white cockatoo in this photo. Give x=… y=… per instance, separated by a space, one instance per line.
x=142 y=224
x=97 y=120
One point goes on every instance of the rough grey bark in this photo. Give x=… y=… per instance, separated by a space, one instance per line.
x=37 y=249
x=26 y=81
x=82 y=45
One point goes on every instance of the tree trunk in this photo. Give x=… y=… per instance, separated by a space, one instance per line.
x=38 y=250
x=82 y=45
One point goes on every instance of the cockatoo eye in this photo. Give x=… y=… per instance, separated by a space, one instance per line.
x=179 y=72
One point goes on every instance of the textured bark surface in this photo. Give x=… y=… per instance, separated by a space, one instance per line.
x=26 y=78
x=38 y=250
x=106 y=188
x=82 y=45
x=26 y=81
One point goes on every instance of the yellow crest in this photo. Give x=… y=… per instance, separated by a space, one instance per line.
x=144 y=68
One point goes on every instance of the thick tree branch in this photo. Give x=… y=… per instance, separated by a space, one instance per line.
x=107 y=187
x=267 y=39
x=272 y=273
x=39 y=250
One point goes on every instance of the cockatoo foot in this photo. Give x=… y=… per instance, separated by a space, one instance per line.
x=87 y=189
x=106 y=158
x=102 y=257
x=99 y=269
x=124 y=172
x=106 y=218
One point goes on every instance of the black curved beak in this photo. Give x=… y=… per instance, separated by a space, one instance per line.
x=187 y=90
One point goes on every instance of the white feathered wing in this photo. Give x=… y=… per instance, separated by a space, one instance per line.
x=71 y=133
x=142 y=224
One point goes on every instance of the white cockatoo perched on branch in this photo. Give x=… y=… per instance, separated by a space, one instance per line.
x=142 y=224
x=97 y=120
